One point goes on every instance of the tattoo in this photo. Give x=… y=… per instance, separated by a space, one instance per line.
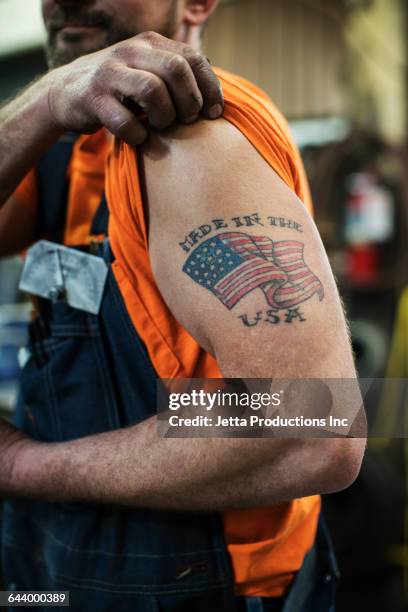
x=251 y=323
x=272 y=317
x=294 y=313
x=233 y=264
x=196 y=235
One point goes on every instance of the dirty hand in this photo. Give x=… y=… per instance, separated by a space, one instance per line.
x=168 y=80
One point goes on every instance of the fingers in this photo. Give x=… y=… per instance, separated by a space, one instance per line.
x=148 y=91
x=175 y=72
x=205 y=78
x=209 y=85
x=179 y=78
x=188 y=75
x=121 y=122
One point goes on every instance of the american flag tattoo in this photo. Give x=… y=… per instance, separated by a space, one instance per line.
x=233 y=264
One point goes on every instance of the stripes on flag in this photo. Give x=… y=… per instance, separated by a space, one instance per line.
x=301 y=283
x=233 y=264
x=244 y=279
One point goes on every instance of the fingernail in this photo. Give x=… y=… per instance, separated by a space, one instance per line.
x=215 y=111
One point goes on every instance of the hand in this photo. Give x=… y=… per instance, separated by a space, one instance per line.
x=168 y=80
x=13 y=445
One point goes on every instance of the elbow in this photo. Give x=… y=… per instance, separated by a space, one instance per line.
x=343 y=459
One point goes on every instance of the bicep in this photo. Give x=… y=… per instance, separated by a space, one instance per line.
x=240 y=262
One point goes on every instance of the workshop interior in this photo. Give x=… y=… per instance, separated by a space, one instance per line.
x=338 y=70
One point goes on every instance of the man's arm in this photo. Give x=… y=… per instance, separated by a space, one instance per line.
x=18 y=227
x=195 y=176
x=167 y=79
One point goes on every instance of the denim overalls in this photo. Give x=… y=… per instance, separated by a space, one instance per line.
x=88 y=374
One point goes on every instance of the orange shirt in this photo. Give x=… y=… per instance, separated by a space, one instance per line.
x=267 y=545
x=86 y=173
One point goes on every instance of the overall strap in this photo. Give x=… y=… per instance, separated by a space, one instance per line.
x=53 y=192
x=53 y=187
x=101 y=218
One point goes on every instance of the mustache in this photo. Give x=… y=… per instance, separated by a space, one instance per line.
x=74 y=17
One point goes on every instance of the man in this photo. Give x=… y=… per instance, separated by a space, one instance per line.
x=211 y=255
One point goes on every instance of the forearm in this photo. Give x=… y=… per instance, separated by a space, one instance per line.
x=27 y=130
x=137 y=467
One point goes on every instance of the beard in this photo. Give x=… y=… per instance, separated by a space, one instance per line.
x=64 y=47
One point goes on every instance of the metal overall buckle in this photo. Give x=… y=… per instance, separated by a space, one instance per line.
x=60 y=273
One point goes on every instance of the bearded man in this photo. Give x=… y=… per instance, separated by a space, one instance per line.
x=181 y=248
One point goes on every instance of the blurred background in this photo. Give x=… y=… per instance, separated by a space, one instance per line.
x=338 y=69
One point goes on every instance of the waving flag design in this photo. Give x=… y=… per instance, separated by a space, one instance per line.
x=233 y=264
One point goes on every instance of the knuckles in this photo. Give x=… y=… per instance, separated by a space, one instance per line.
x=193 y=57
x=177 y=66
x=150 y=38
